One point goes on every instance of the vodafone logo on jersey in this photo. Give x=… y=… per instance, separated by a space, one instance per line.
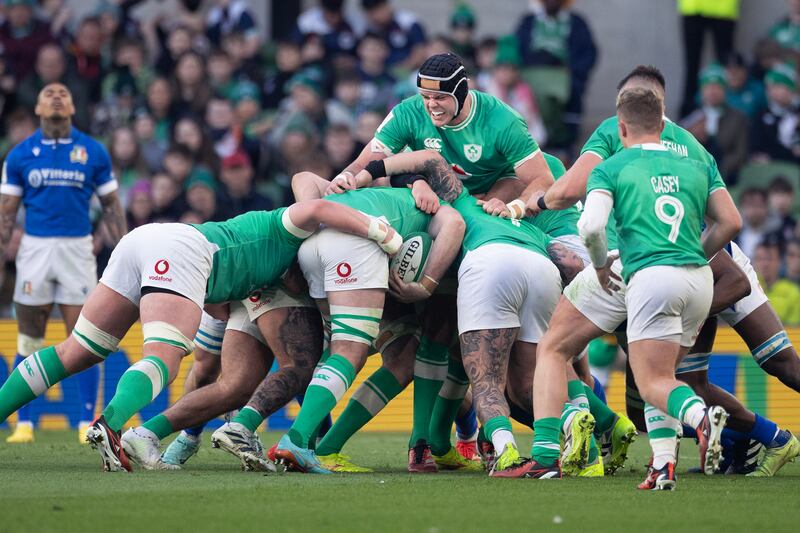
x=344 y=270
x=161 y=267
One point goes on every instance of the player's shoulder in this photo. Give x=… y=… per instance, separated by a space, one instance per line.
x=25 y=147
x=413 y=105
x=608 y=125
x=80 y=138
x=493 y=107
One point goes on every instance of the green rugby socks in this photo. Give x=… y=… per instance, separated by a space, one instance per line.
x=430 y=371
x=137 y=387
x=32 y=377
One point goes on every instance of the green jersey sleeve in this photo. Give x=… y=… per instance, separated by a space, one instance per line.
x=714 y=179
x=396 y=131
x=604 y=140
x=599 y=179
x=516 y=143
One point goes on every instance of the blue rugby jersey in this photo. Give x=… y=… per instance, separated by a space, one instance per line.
x=56 y=180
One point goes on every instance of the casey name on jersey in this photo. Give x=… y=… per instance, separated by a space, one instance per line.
x=665 y=184
x=56 y=176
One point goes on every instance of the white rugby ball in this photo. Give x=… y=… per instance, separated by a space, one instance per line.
x=409 y=262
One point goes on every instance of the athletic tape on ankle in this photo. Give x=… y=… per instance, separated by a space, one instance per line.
x=27 y=345
x=767 y=349
x=154 y=371
x=209 y=334
x=166 y=333
x=392 y=330
x=695 y=362
x=93 y=338
x=291 y=228
x=355 y=324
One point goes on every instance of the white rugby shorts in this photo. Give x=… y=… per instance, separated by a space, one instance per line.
x=274 y=297
x=606 y=311
x=505 y=286
x=669 y=303
x=741 y=309
x=333 y=261
x=172 y=256
x=60 y=270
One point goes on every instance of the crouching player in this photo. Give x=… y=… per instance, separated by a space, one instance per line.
x=163 y=274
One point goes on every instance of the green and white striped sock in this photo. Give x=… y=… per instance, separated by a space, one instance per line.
x=32 y=377
x=137 y=387
x=662 y=430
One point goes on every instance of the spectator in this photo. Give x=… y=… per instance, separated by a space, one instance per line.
x=306 y=98
x=51 y=67
x=699 y=17
x=783 y=294
x=233 y=16
x=340 y=146
x=126 y=158
x=462 y=34
x=237 y=196
x=119 y=107
x=177 y=42
x=400 y=29
x=201 y=194
x=168 y=203
x=191 y=87
x=21 y=37
x=780 y=197
x=484 y=63
x=219 y=69
x=507 y=85
x=140 y=204
x=793 y=260
x=338 y=31
x=85 y=57
x=116 y=20
x=178 y=163
x=718 y=126
x=367 y=124
x=553 y=34
x=376 y=82
x=756 y=222
x=344 y=107
x=161 y=107
x=152 y=149
x=248 y=66
x=287 y=62
x=129 y=59
x=189 y=132
x=775 y=135
x=19 y=126
x=786 y=32
x=745 y=92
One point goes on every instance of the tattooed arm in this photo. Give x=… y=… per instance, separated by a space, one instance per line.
x=114 y=216
x=567 y=261
x=428 y=163
x=9 y=205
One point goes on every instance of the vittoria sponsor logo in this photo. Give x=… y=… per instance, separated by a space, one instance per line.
x=344 y=270
x=161 y=268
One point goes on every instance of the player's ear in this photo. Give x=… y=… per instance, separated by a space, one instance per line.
x=622 y=128
x=662 y=126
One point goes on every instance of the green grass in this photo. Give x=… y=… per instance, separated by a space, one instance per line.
x=56 y=485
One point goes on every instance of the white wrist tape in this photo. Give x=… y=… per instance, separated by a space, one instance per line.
x=378 y=231
x=516 y=208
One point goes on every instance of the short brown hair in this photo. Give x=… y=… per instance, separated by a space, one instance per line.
x=641 y=109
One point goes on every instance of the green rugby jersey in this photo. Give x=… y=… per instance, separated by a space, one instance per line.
x=659 y=203
x=491 y=142
x=561 y=222
x=396 y=206
x=255 y=249
x=483 y=228
x=605 y=142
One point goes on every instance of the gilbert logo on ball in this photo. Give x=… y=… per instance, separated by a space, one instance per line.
x=409 y=262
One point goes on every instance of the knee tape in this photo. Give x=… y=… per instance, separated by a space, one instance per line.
x=355 y=324
x=209 y=334
x=392 y=330
x=695 y=362
x=166 y=333
x=93 y=338
x=27 y=345
x=777 y=343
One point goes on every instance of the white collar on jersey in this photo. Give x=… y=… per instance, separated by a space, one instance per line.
x=652 y=146
x=48 y=142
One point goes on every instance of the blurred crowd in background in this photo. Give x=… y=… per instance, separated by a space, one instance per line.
x=205 y=119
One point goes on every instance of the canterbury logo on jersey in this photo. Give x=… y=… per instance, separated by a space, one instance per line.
x=56 y=176
x=432 y=143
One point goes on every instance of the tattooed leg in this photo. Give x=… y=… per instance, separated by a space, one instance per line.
x=245 y=362
x=485 y=354
x=295 y=336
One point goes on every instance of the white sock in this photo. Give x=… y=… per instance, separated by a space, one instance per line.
x=500 y=438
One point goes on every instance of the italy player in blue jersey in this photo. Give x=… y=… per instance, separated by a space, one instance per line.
x=54 y=173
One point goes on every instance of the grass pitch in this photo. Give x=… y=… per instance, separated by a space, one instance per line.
x=56 y=485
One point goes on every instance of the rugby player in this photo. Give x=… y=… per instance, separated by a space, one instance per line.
x=348 y=278
x=163 y=274
x=54 y=173
x=659 y=221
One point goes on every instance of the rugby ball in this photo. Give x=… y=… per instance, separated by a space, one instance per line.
x=409 y=262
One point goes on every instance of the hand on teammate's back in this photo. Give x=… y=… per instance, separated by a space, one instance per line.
x=426 y=199
x=606 y=276
x=495 y=207
x=342 y=183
